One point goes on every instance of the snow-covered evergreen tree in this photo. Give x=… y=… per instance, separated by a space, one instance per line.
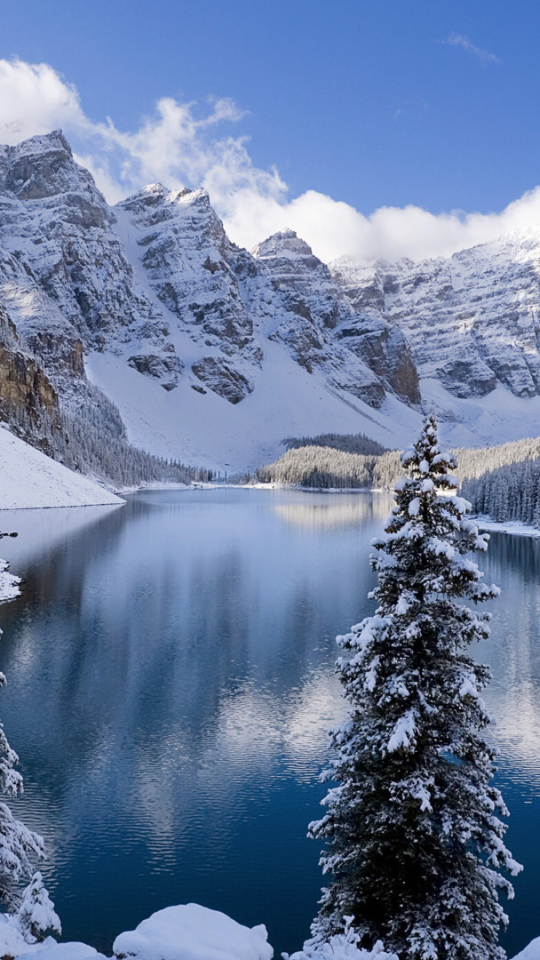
x=36 y=915
x=18 y=844
x=414 y=843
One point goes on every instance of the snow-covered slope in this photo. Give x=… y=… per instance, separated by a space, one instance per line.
x=30 y=479
x=214 y=355
x=211 y=432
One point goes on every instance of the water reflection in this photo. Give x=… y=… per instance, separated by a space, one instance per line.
x=334 y=510
x=41 y=530
x=171 y=685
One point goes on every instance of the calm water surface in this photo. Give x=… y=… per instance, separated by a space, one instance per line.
x=170 y=687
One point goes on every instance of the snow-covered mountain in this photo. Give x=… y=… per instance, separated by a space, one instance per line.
x=472 y=321
x=214 y=354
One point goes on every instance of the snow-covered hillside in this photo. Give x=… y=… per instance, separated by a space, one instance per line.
x=214 y=355
x=30 y=479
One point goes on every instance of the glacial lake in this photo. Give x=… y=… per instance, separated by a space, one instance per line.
x=171 y=683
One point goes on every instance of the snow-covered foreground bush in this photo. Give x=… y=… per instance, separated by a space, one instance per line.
x=342 y=946
x=9 y=584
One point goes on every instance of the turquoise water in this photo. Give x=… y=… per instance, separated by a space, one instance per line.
x=170 y=687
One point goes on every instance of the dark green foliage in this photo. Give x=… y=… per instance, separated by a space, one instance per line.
x=347 y=442
x=328 y=468
x=510 y=492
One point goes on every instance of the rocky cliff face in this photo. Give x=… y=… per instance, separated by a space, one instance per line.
x=471 y=321
x=229 y=301
x=307 y=307
x=64 y=275
x=27 y=396
x=196 y=274
x=156 y=289
x=157 y=282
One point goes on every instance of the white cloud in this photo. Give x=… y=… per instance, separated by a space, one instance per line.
x=178 y=145
x=459 y=40
x=34 y=99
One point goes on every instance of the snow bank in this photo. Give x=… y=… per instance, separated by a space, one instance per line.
x=192 y=932
x=30 y=479
x=51 y=950
x=187 y=932
x=508 y=526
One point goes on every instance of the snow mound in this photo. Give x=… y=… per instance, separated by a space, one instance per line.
x=532 y=952
x=30 y=479
x=192 y=932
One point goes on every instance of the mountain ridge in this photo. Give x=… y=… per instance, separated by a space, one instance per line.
x=214 y=354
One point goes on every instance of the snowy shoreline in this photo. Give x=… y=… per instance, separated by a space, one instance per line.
x=513 y=527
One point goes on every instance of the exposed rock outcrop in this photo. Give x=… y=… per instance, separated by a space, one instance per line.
x=218 y=376
x=195 y=273
x=27 y=396
x=24 y=387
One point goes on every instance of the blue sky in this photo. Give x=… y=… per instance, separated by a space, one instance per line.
x=380 y=103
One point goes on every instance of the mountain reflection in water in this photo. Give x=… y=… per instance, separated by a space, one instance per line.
x=335 y=510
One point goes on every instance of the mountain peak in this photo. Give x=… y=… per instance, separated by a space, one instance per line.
x=42 y=167
x=54 y=142
x=200 y=197
x=285 y=242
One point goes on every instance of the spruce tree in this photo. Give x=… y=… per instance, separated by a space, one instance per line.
x=36 y=915
x=414 y=843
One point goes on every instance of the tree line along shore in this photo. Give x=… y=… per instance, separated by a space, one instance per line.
x=502 y=482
